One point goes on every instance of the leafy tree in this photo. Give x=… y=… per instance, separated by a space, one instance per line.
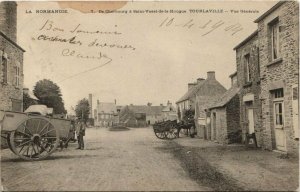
x=27 y=101
x=82 y=109
x=189 y=115
x=49 y=94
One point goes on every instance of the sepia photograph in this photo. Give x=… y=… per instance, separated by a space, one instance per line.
x=149 y=95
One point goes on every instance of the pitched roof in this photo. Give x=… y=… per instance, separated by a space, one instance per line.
x=169 y=108
x=255 y=33
x=11 y=41
x=191 y=92
x=106 y=107
x=269 y=11
x=148 y=110
x=225 y=98
x=233 y=74
x=207 y=87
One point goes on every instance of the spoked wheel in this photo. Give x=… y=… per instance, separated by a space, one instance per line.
x=9 y=144
x=34 y=139
x=160 y=135
x=172 y=133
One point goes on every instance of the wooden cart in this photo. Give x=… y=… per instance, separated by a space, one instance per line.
x=33 y=135
x=171 y=129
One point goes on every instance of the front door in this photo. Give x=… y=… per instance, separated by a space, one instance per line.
x=279 y=126
x=250 y=121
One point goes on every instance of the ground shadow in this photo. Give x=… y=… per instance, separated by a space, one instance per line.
x=199 y=169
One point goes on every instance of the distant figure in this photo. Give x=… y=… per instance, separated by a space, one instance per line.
x=80 y=130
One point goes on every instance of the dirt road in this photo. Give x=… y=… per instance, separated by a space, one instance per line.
x=113 y=160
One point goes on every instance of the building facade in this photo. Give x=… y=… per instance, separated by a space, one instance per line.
x=106 y=115
x=152 y=114
x=208 y=92
x=222 y=116
x=11 y=60
x=248 y=79
x=278 y=37
x=197 y=97
x=169 y=112
x=188 y=100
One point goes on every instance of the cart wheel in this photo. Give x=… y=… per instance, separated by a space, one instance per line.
x=160 y=135
x=34 y=139
x=9 y=145
x=172 y=133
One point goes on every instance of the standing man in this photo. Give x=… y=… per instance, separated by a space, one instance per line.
x=80 y=130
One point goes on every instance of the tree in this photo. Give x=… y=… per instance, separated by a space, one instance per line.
x=188 y=115
x=82 y=109
x=49 y=94
x=27 y=101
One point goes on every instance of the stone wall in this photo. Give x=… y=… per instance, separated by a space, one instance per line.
x=221 y=125
x=233 y=120
x=281 y=73
x=251 y=87
x=8 y=19
x=9 y=91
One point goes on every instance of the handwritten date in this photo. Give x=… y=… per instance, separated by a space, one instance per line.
x=207 y=26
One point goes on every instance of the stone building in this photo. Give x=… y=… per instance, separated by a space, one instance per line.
x=248 y=78
x=152 y=114
x=106 y=115
x=197 y=97
x=278 y=42
x=222 y=116
x=169 y=112
x=11 y=59
x=208 y=91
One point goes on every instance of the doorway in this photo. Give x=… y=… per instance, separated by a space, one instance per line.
x=279 y=125
x=250 y=120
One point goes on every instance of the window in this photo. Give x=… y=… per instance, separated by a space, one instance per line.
x=17 y=76
x=4 y=70
x=247 y=68
x=278 y=93
x=274 y=31
x=278 y=113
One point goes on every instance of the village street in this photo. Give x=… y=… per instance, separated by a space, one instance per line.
x=136 y=160
x=113 y=160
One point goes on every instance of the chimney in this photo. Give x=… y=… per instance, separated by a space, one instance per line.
x=211 y=75
x=115 y=102
x=149 y=104
x=190 y=85
x=8 y=22
x=200 y=80
x=26 y=91
x=98 y=102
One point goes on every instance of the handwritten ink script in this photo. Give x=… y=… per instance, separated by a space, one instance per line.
x=206 y=27
x=73 y=37
x=81 y=43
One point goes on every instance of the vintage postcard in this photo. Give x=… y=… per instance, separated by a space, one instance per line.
x=149 y=95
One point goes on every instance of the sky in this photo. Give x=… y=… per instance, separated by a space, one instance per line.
x=144 y=56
